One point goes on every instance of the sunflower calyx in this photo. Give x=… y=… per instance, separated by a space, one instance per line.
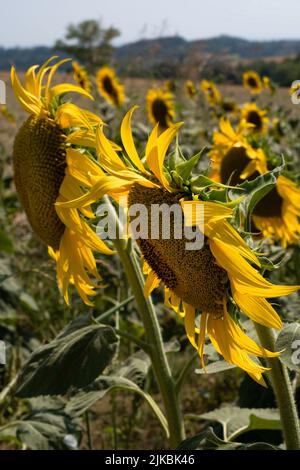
x=254 y=191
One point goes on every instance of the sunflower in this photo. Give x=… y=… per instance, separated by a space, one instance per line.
x=235 y=160
x=198 y=283
x=277 y=214
x=229 y=106
x=252 y=82
x=170 y=85
x=81 y=76
x=252 y=115
x=190 y=88
x=232 y=157
x=269 y=85
x=211 y=92
x=47 y=156
x=109 y=87
x=160 y=108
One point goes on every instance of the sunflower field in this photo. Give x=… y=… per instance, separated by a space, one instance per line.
x=149 y=262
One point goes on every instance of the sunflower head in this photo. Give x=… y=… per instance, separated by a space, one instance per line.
x=190 y=88
x=269 y=85
x=252 y=82
x=81 y=76
x=160 y=108
x=229 y=106
x=232 y=157
x=254 y=118
x=234 y=160
x=170 y=85
x=109 y=86
x=203 y=285
x=47 y=169
x=211 y=92
x=39 y=167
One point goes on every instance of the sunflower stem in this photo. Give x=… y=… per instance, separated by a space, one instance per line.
x=160 y=365
x=283 y=391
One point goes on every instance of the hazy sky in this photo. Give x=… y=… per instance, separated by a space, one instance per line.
x=33 y=22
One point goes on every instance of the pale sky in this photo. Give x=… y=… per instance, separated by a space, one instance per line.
x=41 y=22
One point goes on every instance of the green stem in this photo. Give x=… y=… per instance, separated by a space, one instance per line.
x=157 y=354
x=283 y=391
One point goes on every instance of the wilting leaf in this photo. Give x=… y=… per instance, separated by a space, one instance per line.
x=73 y=359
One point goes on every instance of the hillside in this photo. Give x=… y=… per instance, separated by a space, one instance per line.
x=174 y=56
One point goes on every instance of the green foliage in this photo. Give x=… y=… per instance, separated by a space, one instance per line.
x=89 y=42
x=288 y=342
x=235 y=422
x=88 y=350
x=47 y=426
x=207 y=440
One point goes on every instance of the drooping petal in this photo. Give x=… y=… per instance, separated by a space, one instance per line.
x=258 y=309
x=128 y=142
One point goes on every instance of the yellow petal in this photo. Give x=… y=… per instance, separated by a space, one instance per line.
x=258 y=309
x=67 y=88
x=151 y=283
x=128 y=142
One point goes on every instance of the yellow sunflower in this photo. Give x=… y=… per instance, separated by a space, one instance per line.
x=198 y=283
x=211 y=92
x=160 y=107
x=277 y=214
x=170 y=85
x=109 y=86
x=252 y=82
x=269 y=85
x=190 y=88
x=254 y=116
x=233 y=159
x=81 y=76
x=47 y=156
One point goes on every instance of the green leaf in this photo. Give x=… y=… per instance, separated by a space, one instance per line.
x=236 y=421
x=5 y=243
x=207 y=440
x=214 y=367
x=73 y=359
x=202 y=181
x=175 y=158
x=288 y=341
x=185 y=169
x=47 y=427
x=255 y=190
x=129 y=377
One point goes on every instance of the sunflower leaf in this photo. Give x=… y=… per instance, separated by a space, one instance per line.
x=236 y=421
x=288 y=342
x=77 y=357
x=48 y=426
x=185 y=169
x=255 y=191
x=208 y=440
x=128 y=376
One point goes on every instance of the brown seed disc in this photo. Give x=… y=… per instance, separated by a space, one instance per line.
x=39 y=168
x=192 y=275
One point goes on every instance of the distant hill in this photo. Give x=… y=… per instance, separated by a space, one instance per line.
x=219 y=57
